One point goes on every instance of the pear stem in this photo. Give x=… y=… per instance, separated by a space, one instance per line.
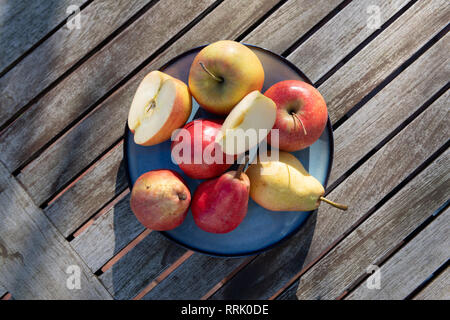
x=241 y=167
x=210 y=73
x=301 y=122
x=334 y=204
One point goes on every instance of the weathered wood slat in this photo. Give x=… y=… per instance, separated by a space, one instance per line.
x=99 y=243
x=60 y=52
x=405 y=94
x=87 y=195
x=34 y=256
x=131 y=274
x=413 y=264
x=3 y=291
x=330 y=44
x=24 y=23
x=361 y=191
x=186 y=282
x=295 y=255
x=437 y=289
x=367 y=69
x=290 y=22
x=440 y=79
x=50 y=165
x=109 y=234
x=53 y=168
x=378 y=235
x=76 y=93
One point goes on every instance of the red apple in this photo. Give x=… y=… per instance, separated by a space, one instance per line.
x=301 y=114
x=205 y=159
x=220 y=205
x=160 y=200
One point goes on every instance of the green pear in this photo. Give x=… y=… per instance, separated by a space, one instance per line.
x=285 y=185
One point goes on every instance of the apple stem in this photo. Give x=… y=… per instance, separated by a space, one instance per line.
x=241 y=167
x=301 y=122
x=334 y=204
x=210 y=73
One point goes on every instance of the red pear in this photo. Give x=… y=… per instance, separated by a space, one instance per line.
x=220 y=205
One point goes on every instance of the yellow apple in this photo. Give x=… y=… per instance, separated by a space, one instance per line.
x=160 y=105
x=222 y=74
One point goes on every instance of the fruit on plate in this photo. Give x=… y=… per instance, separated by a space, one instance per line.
x=160 y=200
x=220 y=205
x=285 y=185
x=223 y=73
x=247 y=124
x=301 y=114
x=160 y=105
x=196 y=152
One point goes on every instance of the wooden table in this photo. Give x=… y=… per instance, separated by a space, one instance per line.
x=383 y=68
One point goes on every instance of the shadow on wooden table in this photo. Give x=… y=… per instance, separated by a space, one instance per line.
x=154 y=253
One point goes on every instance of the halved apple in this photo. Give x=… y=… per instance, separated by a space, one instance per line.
x=247 y=124
x=160 y=105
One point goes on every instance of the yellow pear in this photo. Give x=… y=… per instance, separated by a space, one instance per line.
x=285 y=185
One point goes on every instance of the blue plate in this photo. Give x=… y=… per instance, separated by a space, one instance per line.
x=261 y=229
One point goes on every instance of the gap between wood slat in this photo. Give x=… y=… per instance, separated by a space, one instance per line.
x=121 y=83
x=260 y=20
x=6 y=296
x=108 y=206
x=164 y=274
x=364 y=43
x=434 y=276
x=392 y=76
x=75 y=66
x=394 y=191
x=227 y=278
x=39 y=42
x=123 y=252
x=394 y=250
x=78 y=177
x=323 y=21
x=90 y=166
x=316 y=27
x=388 y=138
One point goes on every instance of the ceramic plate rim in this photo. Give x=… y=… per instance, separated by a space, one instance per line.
x=288 y=235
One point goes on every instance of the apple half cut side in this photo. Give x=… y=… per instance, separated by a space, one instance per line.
x=247 y=124
x=160 y=105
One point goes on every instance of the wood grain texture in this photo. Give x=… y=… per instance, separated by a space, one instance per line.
x=367 y=69
x=377 y=236
x=99 y=185
x=76 y=93
x=194 y=278
x=53 y=165
x=24 y=23
x=54 y=168
x=60 y=52
x=367 y=127
x=82 y=204
x=342 y=34
x=413 y=264
x=361 y=191
x=291 y=21
x=109 y=234
x=132 y=273
x=295 y=254
x=34 y=256
x=437 y=289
